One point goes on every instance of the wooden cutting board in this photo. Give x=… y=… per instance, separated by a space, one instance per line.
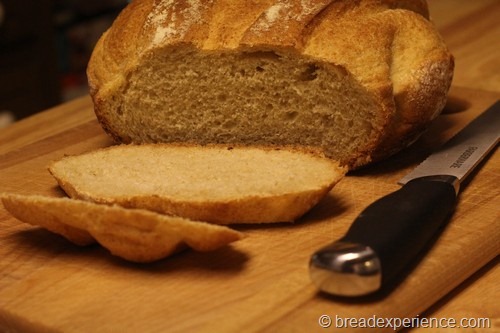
x=259 y=284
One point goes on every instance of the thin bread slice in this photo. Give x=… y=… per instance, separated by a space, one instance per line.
x=30 y=209
x=133 y=234
x=216 y=184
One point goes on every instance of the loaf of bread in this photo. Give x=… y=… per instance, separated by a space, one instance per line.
x=132 y=234
x=358 y=79
x=215 y=184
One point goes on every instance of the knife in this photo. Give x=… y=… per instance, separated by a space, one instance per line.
x=391 y=233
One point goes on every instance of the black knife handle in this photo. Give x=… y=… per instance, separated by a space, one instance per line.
x=391 y=233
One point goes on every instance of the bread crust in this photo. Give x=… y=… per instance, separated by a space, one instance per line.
x=133 y=234
x=224 y=195
x=389 y=46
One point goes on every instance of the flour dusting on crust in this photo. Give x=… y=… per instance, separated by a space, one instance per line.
x=283 y=11
x=271 y=15
x=173 y=19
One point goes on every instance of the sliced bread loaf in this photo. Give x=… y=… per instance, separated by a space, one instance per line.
x=133 y=234
x=358 y=79
x=216 y=184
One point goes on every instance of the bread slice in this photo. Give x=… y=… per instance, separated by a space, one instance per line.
x=358 y=79
x=133 y=234
x=217 y=184
x=30 y=209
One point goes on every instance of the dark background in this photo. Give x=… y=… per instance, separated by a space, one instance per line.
x=45 y=46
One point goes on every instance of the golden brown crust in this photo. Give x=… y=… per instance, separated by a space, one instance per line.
x=281 y=200
x=371 y=39
x=133 y=234
x=31 y=214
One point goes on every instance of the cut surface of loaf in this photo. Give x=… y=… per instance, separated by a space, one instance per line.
x=133 y=234
x=217 y=184
x=358 y=79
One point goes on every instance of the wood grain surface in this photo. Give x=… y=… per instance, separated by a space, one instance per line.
x=259 y=284
x=471 y=29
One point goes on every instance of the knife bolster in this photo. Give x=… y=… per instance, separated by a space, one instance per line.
x=346 y=269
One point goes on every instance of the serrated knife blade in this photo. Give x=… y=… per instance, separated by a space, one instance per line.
x=462 y=153
x=391 y=232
